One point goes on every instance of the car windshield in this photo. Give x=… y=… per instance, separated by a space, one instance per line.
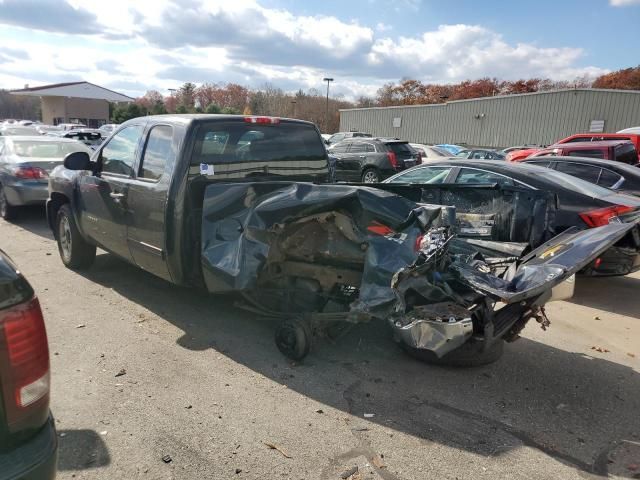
x=23 y=148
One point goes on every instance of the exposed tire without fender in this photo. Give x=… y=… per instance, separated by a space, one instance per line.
x=293 y=338
x=75 y=252
x=471 y=354
x=7 y=211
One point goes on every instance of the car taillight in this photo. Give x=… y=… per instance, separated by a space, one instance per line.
x=30 y=173
x=25 y=366
x=393 y=160
x=602 y=216
x=262 y=120
x=419 y=159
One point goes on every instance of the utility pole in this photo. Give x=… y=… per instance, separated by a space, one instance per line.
x=328 y=80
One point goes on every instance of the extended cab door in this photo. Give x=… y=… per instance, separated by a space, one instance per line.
x=147 y=201
x=103 y=198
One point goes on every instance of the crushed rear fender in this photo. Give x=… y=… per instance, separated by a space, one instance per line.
x=546 y=266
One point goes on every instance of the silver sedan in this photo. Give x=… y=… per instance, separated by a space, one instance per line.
x=25 y=163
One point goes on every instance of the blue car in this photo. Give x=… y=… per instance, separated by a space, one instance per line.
x=454 y=149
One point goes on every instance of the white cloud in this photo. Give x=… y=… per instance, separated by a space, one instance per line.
x=457 y=52
x=623 y=3
x=160 y=44
x=383 y=27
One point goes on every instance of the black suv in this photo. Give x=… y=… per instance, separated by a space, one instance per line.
x=340 y=136
x=371 y=160
x=28 y=442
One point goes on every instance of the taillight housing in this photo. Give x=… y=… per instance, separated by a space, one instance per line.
x=24 y=365
x=393 y=160
x=263 y=120
x=29 y=173
x=602 y=216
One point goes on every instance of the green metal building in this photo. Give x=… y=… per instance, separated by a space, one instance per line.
x=502 y=121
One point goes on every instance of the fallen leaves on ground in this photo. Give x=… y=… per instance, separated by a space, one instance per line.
x=276 y=447
x=378 y=462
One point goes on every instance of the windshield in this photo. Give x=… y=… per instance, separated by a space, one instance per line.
x=23 y=148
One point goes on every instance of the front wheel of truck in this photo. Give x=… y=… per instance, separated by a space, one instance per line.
x=293 y=338
x=75 y=252
x=470 y=354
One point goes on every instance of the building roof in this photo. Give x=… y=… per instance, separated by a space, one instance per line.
x=74 y=89
x=501 y=97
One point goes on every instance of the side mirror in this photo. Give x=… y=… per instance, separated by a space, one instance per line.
x=78 y=161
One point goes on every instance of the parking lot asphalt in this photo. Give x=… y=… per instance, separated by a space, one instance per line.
x=143 y=370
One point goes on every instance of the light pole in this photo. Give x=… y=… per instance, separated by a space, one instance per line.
x=328 y=80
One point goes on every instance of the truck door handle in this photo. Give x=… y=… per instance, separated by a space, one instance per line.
x=362 y=156
x=116 y=196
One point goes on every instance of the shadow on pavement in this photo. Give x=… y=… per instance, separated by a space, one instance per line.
x=575 y=408
x=34 y=220
x=81 y=450
x=613 y=294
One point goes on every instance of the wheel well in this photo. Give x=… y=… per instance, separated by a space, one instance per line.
x=53 y=205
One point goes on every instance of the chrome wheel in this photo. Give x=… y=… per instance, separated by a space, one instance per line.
x=64 y=238
x=370 y=176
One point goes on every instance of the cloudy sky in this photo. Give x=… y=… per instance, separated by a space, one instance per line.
x=135 y=46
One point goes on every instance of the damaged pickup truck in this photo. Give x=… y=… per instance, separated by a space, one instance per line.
x=237 y=204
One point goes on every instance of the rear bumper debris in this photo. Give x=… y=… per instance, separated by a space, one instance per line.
x=440 y=328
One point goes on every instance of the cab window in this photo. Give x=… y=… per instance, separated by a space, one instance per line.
x=119 y=155
x=587 y=153
x=157 y=152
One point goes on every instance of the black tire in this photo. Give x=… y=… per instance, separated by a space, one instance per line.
x=370 y=175
x=75 y=252
x=471 y=354
x=7 y=211
x=293 y=338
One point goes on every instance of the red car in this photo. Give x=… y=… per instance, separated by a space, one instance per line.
x=519 y=155
x=598 y=137
x=618 y=150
